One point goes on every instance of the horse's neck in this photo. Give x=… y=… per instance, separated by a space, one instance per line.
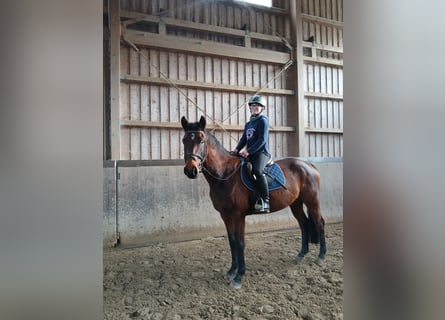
x=219 y=162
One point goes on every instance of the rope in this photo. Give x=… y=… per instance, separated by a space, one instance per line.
x=285 y=67
x=162 y=74
x=171 y=83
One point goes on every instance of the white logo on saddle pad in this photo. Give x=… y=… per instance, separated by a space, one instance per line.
x=249 y=133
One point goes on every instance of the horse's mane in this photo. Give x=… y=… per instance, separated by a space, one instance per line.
x=215 y=141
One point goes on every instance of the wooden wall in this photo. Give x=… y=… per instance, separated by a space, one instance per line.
x=323 y=78
x=200 y=57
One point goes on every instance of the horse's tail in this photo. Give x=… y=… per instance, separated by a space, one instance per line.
x=314 y=235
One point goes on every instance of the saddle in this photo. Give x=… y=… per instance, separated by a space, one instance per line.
x=274 y=174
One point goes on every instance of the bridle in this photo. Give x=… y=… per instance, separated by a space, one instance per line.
x=201 y=156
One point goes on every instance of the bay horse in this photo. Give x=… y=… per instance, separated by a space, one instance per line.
x=233 y=200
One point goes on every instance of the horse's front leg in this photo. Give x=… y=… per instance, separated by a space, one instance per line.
x=239 y=245
x=230 y=275
x=235 y=231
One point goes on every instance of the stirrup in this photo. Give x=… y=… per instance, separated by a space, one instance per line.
x=261 y=206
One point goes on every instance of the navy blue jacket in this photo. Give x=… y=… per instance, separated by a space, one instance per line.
x=256 y=135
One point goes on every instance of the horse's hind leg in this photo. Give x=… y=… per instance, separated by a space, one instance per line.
x=303 y=222
x=316 y=229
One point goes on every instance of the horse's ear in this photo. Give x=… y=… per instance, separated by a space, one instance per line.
x=202 y=123
x=184 y=122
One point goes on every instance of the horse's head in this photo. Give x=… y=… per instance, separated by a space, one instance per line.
x=195 y=148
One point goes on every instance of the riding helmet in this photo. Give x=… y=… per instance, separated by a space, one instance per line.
x=258 y=100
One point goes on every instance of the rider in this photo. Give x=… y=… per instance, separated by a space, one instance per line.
x=255 y=140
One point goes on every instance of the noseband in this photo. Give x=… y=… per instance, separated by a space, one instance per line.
x=201 y=156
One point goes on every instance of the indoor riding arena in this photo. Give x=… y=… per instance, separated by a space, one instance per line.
x=166 y=249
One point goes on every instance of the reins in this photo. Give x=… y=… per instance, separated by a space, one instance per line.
x=204 y=169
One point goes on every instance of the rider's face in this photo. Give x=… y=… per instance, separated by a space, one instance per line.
x=255 y=109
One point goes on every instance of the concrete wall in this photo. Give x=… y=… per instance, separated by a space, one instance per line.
x=160 y=204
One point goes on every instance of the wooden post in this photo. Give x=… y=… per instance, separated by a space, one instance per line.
x=247 y=40
x=115 y=79
x=162 y=28
x=297 y=147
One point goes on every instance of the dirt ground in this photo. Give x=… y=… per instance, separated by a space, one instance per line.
x=186 y=280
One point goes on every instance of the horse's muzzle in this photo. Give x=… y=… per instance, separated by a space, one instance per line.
x=192 y=173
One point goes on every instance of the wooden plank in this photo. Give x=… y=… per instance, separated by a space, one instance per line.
x=311 y=123
x=335 y=86
x=115 y=130
x=317 y=79
x=318 y=34
x=225 y=72
x=310 y=78
x=263 y=78
x=326 y=61
x=322 y=79
x=135 y=143
x=145 y=98
x=340 y=114
x=324 y=130
x=173 y=100
x=329 y=82
x=217 y=107
x=327 y=96
x=323 y=21
x=335 y=115
x=225 y=106
x=177 y=125
x=298 y=146
x=325 y=145
x=207 y=48
x=217 y=71
x=249 y=74
x=202 y=85
x=324 y=114
x=200 y=69
x=144 y=67
x=233 y=108
x=199 y=27
x=200 y=102
x=256 y=76
x=134 y=106
x=208 y=77
x=323 y=47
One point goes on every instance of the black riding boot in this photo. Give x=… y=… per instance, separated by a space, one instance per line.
x=262 y=204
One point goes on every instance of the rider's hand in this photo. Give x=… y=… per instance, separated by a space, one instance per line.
x=243 y=153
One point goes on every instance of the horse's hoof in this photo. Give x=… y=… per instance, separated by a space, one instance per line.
x=299 y=259
x=229 y=276
x=235 y=284
x=320 y=262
